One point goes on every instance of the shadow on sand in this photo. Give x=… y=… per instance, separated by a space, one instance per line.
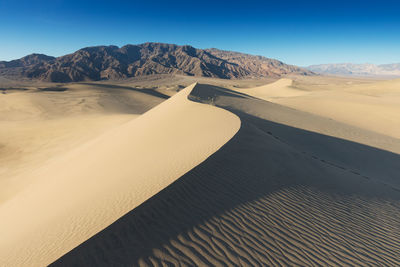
x=148 y=91
x=261 y=160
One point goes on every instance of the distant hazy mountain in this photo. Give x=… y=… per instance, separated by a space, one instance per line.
x=112 y=62
x=357 y=69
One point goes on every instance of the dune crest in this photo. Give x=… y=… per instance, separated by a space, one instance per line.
x=373 y=106
x=280 y=88
x=79 y=194
x=289 y=189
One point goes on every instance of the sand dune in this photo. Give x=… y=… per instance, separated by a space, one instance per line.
x=39 y=124
x=189 y=184
x=77 y=194
x=289 y=189
x=373 y=106
x=280 y=88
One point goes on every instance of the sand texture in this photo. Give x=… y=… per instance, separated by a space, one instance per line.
x=78 y=194
x=303 y=171
x=374 y=106
x=37 y=125
x=289 y=189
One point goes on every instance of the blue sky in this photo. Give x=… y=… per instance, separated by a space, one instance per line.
x=296 y=32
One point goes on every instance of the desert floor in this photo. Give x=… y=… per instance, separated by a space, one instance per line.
x=174 y=170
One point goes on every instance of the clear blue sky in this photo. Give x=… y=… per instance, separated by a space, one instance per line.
x=296 y=32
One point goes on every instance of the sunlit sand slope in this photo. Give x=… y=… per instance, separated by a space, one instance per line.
x=372 y=106
x=38 y=124
x=280 y=88
x=289 y=189
x=78 y=194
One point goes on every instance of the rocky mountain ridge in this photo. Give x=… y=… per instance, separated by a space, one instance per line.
x=112 y=62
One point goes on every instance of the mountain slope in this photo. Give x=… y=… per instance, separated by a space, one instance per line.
x=261 y=66
x=112 y=62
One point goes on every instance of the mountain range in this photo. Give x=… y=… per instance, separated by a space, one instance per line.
x=349 y=69
x=112 y=62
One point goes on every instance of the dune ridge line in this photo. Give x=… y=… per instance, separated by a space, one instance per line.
x=84 y=191
x=289 y=189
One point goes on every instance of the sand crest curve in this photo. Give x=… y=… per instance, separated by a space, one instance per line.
x=79 y=194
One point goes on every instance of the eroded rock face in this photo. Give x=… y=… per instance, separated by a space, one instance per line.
x=112 y=62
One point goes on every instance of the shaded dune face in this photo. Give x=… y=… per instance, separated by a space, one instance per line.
x=273 y=195
x=372 y=106
x=80 y=192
